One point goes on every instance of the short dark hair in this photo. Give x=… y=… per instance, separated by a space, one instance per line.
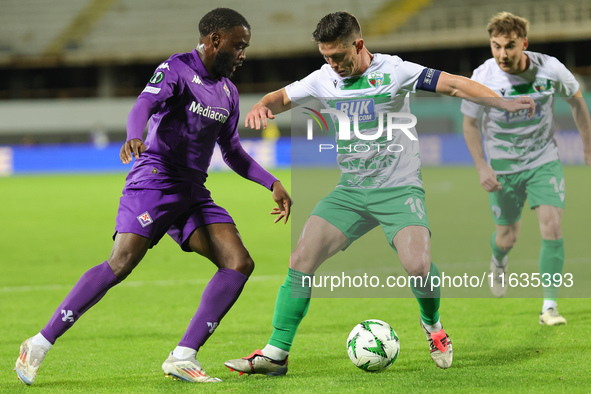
x=337 y=26
x=221 y=19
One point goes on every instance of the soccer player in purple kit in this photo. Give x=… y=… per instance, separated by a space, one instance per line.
x=191 y=105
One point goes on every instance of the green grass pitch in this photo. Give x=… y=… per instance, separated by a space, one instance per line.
x=54 y=228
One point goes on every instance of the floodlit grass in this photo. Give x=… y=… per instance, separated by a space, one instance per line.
x=54 y=228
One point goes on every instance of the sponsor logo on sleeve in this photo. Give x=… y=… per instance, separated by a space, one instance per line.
x=164 y=66
x=151 y=89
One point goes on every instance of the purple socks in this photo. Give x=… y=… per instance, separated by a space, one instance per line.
x=89 y=289
x=219 y=295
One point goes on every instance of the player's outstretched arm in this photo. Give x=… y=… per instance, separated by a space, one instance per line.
x=486 y=175
x=271 y=104
x=582 y=119
x=283 y=201
x=458 y=86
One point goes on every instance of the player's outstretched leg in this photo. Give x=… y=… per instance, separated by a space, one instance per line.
x=293 y=300
x=89 y=289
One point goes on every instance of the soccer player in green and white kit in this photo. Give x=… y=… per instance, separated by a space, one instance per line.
x=522 y=153
x=368 y=194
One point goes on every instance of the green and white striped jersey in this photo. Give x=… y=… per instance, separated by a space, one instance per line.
x=383 y=88
x=512 y=141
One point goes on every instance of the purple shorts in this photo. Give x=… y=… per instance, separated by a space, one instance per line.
x=176 y=209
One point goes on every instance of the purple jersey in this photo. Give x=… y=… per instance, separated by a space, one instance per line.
x=190 y=112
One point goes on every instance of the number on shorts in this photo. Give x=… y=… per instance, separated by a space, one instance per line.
x=416 y=206
x=558 y=187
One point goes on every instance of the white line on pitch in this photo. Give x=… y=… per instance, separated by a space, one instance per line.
x=172 y=282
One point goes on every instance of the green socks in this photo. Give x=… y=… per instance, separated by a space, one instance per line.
x=497 y=252
x=293 y=300
x=428 y=299
x=551 y=262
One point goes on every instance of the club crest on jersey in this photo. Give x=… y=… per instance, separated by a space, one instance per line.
x=376 y=79
x=145 y=219
x=226 y=90
x=360 y=110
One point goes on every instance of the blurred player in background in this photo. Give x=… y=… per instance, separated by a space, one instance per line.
x=345 y=214
x=191 y=105
x=522 y=153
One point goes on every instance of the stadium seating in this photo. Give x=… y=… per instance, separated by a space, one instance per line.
x=460 y=23
x=136 y=30
x=124 y=31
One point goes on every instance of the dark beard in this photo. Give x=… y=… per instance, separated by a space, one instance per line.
x=223 y=65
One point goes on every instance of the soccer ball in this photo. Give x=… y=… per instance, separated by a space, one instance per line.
x=373 y=345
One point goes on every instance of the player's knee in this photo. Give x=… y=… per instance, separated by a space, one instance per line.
x=122 y=265
x=121 y=269
x=243 y=264
x=300 y=262
x=552 y=230
x=295 y=260
x=246 y=266
x=420 y=268
x=508 y=241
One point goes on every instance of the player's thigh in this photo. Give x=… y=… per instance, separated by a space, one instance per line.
x=413 y=244
x=318 y=241
x=507 y=204
x=202 y=212
x=221 y=243
x=335 y=222
x=346 y=209
x=546 y=186
x=396 y=208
